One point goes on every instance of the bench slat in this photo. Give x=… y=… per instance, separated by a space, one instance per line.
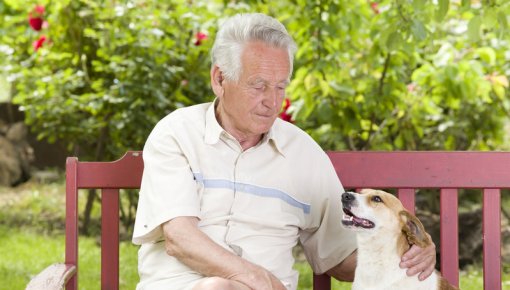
x=423 y=169
x=407 y=197
x=124 y=173
x=491 y=239
x=449 y=235
x=72 y=219
x=109 y=239
x=321 y=282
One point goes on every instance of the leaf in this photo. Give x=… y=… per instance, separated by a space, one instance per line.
x=474 y=28
x=499 y=90
x=310 y=81
x=394 y=41
x=490 y=18
x=90 y=33
x=501 y=80
x=502 y=20
x=325 y=88
x=419 y=5
x=442 y=10
x=487 y=54
x=418 y=29
x=341 y=88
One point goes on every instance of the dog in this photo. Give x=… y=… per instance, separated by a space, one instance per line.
x=385 y=231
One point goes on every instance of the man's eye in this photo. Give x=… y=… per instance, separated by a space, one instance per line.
x=376 y=198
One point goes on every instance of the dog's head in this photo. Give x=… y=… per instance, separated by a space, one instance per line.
x=376 y=211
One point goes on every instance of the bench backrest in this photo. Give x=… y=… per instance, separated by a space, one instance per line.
x=403 y=171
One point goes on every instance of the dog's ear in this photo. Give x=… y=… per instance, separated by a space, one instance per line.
x=414 y=230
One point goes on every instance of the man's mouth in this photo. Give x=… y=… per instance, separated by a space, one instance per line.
x=349 y=219
x=266 y=115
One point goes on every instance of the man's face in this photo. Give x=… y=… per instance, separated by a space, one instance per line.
x=249 y=107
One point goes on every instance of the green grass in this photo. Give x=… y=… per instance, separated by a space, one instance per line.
x=32 y=238
x=25 y=253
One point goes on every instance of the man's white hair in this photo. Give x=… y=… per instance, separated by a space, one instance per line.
x=240 y=29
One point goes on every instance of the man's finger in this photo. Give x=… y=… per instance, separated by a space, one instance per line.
x=426 y=273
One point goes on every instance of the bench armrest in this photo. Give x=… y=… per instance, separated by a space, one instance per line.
x=54 y=277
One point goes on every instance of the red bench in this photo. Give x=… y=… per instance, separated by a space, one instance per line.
x=403 y=171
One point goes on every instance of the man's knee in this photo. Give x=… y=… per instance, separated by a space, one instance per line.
x=218 y=283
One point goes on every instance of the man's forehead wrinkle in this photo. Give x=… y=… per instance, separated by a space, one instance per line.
x=258 y=79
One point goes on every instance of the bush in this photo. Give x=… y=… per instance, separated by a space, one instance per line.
x=368 y=75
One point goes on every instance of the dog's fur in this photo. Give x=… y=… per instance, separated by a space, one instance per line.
x=385 y=231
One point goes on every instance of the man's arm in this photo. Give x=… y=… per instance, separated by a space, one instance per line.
x=186 y=242
x=345 y=270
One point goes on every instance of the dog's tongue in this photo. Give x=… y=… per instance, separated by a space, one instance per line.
x=364 y=223
x=350 y=219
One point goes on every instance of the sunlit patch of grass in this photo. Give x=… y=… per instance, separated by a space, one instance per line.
x=41 y=207
x=26 y=253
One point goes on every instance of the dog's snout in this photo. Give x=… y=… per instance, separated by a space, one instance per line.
x=347 y=198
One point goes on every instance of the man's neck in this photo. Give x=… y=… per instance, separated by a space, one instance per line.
x=245 y=140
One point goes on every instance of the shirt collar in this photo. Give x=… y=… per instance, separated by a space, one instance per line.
x=213 y=130
x=273 y=137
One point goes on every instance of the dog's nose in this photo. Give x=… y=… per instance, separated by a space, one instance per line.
x=347 y=197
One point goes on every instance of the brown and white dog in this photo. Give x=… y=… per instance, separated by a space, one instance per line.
x=385 y=231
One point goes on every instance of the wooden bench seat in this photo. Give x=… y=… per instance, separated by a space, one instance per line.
x=404 y=172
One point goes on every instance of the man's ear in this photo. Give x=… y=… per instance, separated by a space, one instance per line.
x=217 y=81
x=414 y=230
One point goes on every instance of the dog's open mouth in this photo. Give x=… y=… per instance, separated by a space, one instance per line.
x=349 y=219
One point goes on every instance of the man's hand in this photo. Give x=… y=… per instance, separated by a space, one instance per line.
x=419 y=260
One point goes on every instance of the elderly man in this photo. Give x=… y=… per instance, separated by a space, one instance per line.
x=229 y=189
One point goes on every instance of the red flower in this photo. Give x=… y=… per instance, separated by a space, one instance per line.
x=284 y=115
x=35 y=23
x=199 y=37
x=375 y=8
x=39 y=9
x=35 y=18
x=39 y=42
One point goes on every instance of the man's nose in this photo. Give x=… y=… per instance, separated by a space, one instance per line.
x=271 y=98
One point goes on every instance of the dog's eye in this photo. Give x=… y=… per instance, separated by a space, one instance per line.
x=376 y=198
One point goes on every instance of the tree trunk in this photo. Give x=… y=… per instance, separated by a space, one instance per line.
x=92 y=192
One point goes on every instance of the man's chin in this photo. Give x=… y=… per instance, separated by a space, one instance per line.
x=264 y=128
x=263 y=124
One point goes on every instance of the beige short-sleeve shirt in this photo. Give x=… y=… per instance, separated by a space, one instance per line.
x=257 y=203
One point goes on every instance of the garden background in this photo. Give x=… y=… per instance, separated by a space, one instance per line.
x=95 y=76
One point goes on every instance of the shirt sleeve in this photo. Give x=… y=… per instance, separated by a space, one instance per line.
x=326 y=242
x=168 y=188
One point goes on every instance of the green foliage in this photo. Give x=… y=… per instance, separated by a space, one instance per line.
x=108 y=72
x=403 y=75
x=411 y=75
